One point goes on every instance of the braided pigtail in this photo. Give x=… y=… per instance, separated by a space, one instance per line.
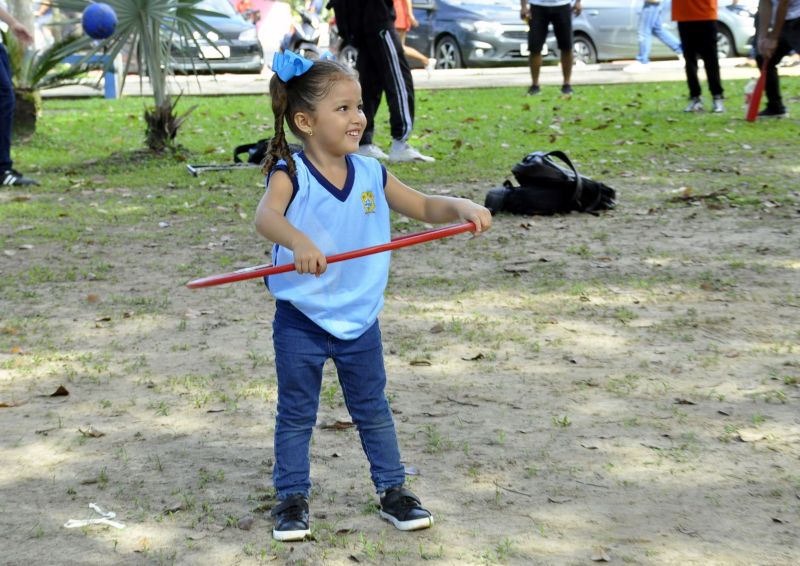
x=278 y=147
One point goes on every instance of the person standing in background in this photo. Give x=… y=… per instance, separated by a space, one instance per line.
x=368 y=25
x=649 y=26
x=540 y=14
x=403 y=22
x=8 y=175
x=697 y=26
x=772 y=49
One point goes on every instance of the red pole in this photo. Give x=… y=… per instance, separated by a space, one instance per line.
x=396 y=243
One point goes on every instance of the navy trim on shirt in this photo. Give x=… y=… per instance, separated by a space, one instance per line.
x=295 y=187
x=340 y=194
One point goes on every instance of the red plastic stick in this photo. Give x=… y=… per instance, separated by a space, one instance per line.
x=755 y=97
x=396 y=243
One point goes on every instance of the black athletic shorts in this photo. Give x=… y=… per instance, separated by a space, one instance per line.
x=541 y=17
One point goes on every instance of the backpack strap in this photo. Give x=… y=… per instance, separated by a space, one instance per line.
x=578 y=190
x=244 y=148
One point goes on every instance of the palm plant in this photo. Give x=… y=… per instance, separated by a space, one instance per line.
x=146 y=32
x=34 y=70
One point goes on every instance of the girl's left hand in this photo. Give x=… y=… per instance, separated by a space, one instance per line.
x=479 y=215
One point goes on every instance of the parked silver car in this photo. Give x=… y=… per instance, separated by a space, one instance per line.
x=607 y=29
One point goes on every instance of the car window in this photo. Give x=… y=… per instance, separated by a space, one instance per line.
x=221 y=6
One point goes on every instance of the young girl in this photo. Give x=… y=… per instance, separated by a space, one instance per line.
x=320 y=201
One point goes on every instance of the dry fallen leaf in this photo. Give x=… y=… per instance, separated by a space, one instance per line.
x=599 y=554
x=60 y=392
x=91 y=432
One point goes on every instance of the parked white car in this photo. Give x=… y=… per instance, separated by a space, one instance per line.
x=607 y=29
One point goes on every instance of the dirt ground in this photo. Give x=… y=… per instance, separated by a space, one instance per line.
x=567 y=390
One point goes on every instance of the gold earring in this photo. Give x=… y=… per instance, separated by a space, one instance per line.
x=310 y=132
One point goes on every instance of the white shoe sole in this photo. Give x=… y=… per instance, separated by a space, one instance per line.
x=404 y=159
x=286 y=536
x=414 y=525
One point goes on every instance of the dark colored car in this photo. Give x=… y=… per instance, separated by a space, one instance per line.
x=235 y=49
x=470 y=33
x=463 y=33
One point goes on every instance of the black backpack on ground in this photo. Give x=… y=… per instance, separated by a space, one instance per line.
x=256 y=152
x=545 y=187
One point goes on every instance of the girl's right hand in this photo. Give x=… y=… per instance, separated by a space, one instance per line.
x=308 y=258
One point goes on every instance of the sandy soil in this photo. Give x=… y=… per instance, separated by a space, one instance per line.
x=620 y=388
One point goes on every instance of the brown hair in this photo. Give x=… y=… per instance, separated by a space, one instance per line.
x=299 y=94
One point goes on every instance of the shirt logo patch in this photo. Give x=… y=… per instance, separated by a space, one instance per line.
x=368 y=201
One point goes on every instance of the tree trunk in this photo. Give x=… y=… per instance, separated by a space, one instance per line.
x=26 y=112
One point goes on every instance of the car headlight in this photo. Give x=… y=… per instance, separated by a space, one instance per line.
x=483 y=27
x=248 y=35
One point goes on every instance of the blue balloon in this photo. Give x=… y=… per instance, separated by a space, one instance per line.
x=99 y=20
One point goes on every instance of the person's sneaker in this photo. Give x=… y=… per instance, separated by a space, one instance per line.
x=371 y=150
x=291 y=519
x=716 y=105
x=431 y=66
x=695 y=105
x=566 y=89
x=533 y=91
x=637 y=67
x=15 y=178
x=404 y=510
x=770 y=112
x=406 y=153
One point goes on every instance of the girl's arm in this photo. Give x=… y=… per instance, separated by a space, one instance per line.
x=434 y=209
x=271 y=223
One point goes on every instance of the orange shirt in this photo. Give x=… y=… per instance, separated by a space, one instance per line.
x=694 y=10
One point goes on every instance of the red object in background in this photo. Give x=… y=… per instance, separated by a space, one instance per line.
x=755 y=97
x=396 y=243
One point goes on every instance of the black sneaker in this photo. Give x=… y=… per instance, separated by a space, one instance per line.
x=533 y=91
x=566 y=89
x=769 y=112
x=291 y=519
x=404 y=510
x=15 y=178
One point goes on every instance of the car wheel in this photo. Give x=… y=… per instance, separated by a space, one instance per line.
x=349 y=56
x=725 y=45
x=448 y=54
x=583 y=50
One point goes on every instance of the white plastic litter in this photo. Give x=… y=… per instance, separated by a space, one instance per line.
x=106 y=519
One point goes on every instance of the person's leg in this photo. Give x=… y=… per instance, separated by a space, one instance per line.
x=300 y=353
x=772 y=86
x=707 y=38
x=371 y=90
x=561 y=17
x=410 y=51
x=687 y=33
x=537 y=34
x=398 y=85
x=6 y=110
x=658 y=30
x=362 y=376
x=647 y=18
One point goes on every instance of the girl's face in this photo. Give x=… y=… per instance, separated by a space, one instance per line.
x=338 y=122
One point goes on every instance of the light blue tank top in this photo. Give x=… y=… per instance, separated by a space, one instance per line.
x=346 y=299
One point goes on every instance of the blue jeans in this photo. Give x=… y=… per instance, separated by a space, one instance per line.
x=649 y=26
x=6 y=110
x=301 y=349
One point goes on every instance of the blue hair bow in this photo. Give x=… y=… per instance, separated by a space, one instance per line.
x=288 y=65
